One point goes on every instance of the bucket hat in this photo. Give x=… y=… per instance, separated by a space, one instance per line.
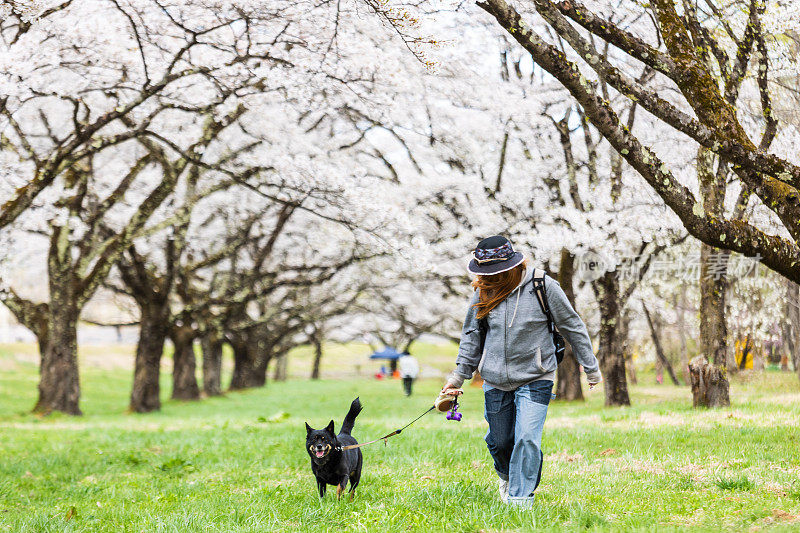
x=494 y=255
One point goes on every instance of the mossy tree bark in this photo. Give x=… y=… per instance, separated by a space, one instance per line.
x=212 y=364
x=151 y=293
x=265 y=356
x=610 y=350
x=154 y=327
x=568 y=386
x=713 y=283
x=243 y=376
x=184 y=363
x=59 y=383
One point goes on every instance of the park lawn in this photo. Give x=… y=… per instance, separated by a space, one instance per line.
x=237 y=463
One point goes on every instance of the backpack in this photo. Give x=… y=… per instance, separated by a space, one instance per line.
x=537 y=290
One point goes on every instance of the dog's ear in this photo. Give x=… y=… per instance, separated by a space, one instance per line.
x=309 y=429
x=330 y=427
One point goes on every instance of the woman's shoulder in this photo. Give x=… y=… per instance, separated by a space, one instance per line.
x=548 y=279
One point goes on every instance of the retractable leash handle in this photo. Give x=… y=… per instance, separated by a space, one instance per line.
x=444 y=402
x=448 y=403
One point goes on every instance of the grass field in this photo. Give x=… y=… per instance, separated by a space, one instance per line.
x=237 y=463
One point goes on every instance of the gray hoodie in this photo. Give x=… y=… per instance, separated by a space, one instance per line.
x=519 y=347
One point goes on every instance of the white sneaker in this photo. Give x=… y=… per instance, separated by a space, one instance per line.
x=502 y=487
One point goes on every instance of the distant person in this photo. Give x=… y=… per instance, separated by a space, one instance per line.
x=409 y=370
x=516 y=354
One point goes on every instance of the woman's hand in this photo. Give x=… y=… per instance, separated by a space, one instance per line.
x=594 y=379
x=451 y=390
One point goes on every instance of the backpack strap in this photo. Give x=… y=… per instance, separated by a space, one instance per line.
x=538 y=289
x=541 y=295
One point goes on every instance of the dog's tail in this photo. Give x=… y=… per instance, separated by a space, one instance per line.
x=350 y=419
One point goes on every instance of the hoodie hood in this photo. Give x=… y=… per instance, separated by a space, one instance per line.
x=527 y=274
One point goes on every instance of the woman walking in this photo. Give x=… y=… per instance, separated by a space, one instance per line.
x=514 y=351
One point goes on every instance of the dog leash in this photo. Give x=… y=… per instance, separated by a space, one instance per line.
x=442 y=403
x=385 y=437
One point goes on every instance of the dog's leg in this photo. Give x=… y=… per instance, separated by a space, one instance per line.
x=322 y=488
x=341 y=486
x=354 y=479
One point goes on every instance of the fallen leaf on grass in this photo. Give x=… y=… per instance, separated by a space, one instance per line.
x=780 y=514
x=426 y=477
x=564 y=456
x=71 y=512
x=609 y=451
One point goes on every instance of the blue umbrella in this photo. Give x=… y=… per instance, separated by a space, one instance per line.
x=387 y=353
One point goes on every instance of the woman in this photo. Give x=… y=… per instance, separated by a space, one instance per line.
x=518 y=362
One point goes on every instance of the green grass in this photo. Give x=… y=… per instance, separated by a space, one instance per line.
x=734 y=483
x=237 y=463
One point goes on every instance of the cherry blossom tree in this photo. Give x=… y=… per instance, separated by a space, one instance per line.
x=100 y=129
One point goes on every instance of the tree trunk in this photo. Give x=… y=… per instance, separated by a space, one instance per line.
x=705 y=379
x=713 y=327
x=184 y=370
x=612 y=360
x=680 y=311
x=659 y=350
x=568 y=386
x=243 y=365
x=59 y=382
x=713 y=282
x=212 y=364
x=260 y=369
x=281 y=366
x=791 y=324
x=317 y=356
x=627 y=352
x=264 y=349
x=145 y=394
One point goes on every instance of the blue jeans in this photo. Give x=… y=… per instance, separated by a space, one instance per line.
x=516 y=419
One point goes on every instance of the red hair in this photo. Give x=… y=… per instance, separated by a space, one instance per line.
x=495 y=288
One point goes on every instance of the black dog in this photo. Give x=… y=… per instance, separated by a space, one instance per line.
x=330 y=464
